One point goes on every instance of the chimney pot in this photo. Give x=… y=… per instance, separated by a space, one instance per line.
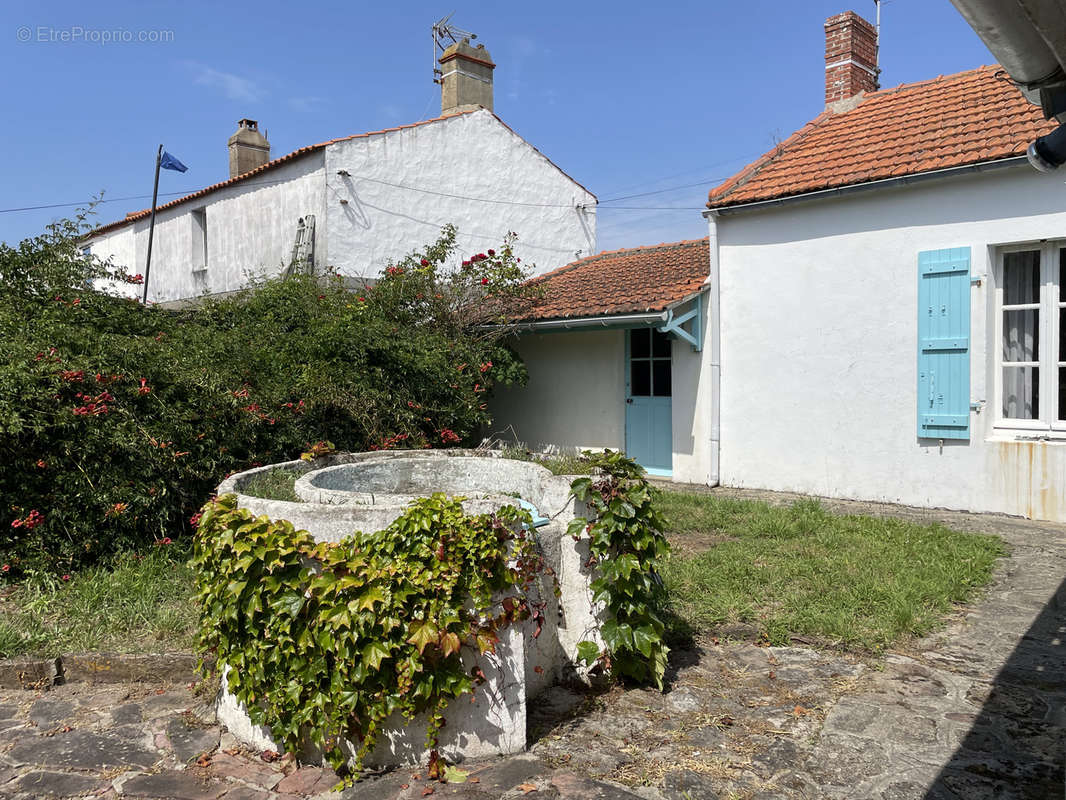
x=248 y=148
x=466 y=78
x=850 y=61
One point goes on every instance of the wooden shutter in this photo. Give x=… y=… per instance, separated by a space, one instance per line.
x=944 y=344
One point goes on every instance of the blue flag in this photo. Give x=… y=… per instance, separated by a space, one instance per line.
x=169 y=162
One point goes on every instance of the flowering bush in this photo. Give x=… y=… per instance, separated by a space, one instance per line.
x=117 y=420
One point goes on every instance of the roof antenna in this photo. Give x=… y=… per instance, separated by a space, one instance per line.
x=441 y=31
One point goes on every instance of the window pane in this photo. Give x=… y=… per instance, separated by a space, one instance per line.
x=661 y=371
x=1021 y=335
x=1021 y=392
x=640 y=343
x=1021 y=277
x=640 y=379
x=1062 y=334
x=1062 y=393
x=660 y=344
x=1062 y=272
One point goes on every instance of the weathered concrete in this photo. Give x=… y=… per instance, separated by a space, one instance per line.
x=367 y=491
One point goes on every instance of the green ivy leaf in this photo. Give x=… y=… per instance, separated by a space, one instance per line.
x=588 y=652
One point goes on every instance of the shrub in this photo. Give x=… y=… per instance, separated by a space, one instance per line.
x=116 y=420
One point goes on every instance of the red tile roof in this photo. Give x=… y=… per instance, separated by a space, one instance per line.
x=951 y=121
x=313 y=148
x=635 y=281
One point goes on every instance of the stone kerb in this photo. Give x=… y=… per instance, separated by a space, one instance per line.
x=493 y=723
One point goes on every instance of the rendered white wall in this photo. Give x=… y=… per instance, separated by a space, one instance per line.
x=575 y=397
x=691 y=408
x=469 y=156
x=818 y=336
x=251 y=227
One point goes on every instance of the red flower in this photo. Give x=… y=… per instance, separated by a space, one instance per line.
x=194 y=520
x=486 y=366
x=164 y=540
x=138 y=278
x=145 y=388
x=5 y=568
x=32 y=520
x=362 y=299
x=424 y=262
x=66 y=577
x=42 y=464
x=484 y=281
x=72 y=375
x=492 y=252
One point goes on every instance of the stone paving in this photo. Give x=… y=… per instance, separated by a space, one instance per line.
x=974 y=711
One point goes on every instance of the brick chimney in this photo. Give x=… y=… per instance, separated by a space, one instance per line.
x=248 y=148
x=850 y=61
x=466 y=78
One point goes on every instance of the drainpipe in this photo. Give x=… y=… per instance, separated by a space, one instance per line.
x=714 y=325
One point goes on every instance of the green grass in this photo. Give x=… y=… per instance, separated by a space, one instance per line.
x=274 y=484
x=852 y=581
x=134 y=605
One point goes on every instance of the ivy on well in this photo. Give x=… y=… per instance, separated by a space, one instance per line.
x=627 y=546
x=327 y=641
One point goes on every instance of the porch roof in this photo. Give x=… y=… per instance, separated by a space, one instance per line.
x=617 y=283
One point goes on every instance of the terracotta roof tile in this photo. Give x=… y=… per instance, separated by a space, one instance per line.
x=952 y=121
x=634 y=281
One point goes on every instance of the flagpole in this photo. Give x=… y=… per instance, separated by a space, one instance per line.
x=151 y=225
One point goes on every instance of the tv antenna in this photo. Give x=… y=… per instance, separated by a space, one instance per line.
x=442 y=31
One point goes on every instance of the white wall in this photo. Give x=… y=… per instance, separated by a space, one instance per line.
x=691 y=407
x=470 y=156
x=251 y=227
x=575 y=397
x=818 y=336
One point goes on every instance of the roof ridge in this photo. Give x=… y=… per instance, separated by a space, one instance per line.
x=606 y=253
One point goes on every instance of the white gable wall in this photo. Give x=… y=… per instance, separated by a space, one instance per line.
x=819 y=341
x=456 y=159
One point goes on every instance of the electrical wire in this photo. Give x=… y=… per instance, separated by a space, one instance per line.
x=497 y=201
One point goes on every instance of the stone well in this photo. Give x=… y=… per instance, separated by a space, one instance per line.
x=366 y=491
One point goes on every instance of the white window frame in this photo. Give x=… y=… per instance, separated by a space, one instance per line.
x=1050 y=301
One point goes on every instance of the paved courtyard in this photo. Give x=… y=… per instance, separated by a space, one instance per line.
x=973 y=711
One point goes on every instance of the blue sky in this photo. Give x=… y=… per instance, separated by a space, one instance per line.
x=626 y=97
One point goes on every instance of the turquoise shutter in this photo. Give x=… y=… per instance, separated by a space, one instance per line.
x=944 y=344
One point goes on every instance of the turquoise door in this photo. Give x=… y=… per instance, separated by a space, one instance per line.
x=649 y=438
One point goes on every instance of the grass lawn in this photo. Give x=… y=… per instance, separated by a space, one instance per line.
x=137 y=605
x=852 y=581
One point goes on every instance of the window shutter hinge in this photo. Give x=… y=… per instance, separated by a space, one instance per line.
x=975 y=280
x=977 y=405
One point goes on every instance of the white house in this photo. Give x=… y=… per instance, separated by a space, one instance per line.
x=616 y=358
x=364 y=200
x=889 y=313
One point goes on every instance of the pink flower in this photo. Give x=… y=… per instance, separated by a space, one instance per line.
x=66 y=577
x=144 y=388
x=5 y=568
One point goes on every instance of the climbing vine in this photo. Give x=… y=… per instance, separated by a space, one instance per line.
x=627 y=545
x=326 y=641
